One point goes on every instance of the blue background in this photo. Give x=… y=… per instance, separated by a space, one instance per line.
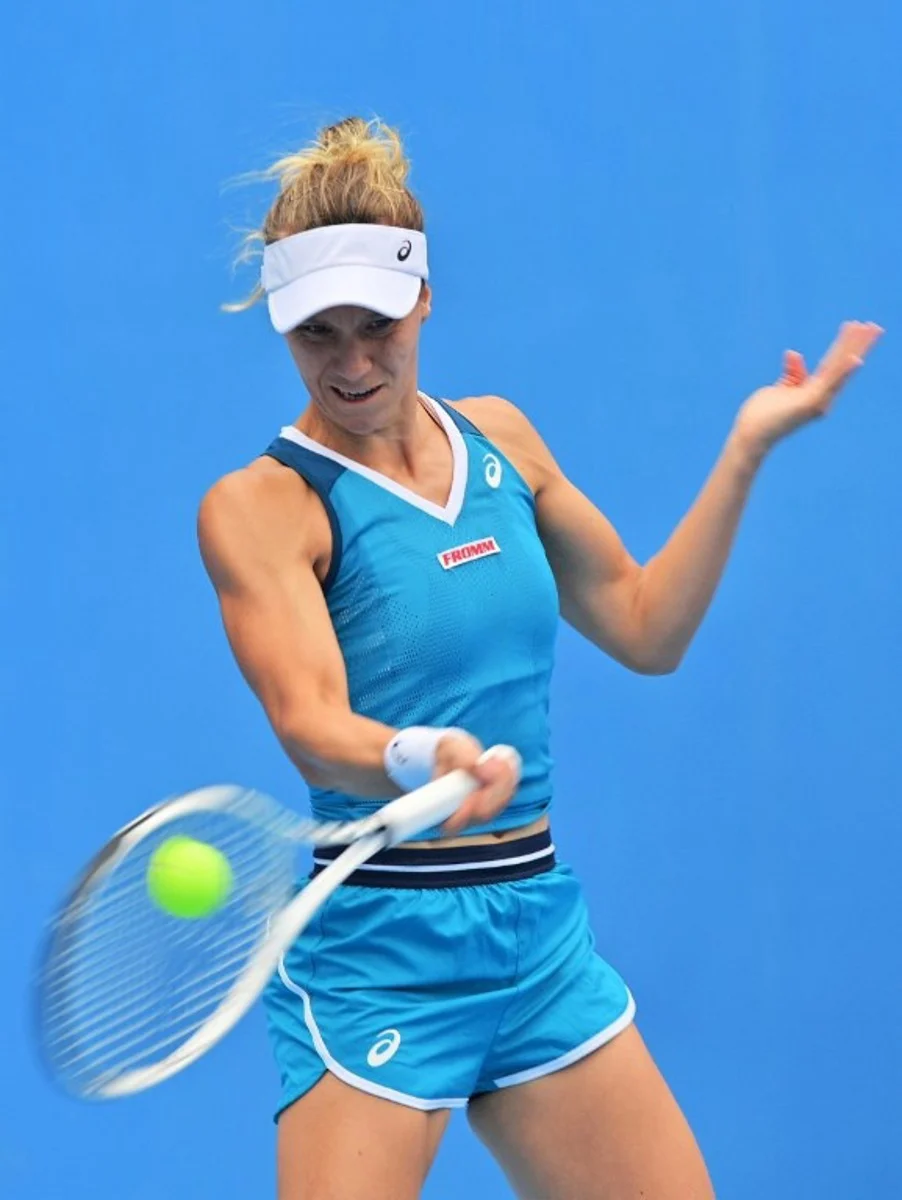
x=633 y=210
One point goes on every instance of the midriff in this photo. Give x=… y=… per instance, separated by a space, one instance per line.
x=482 y=839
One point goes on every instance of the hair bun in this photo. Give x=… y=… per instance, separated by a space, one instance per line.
x=344 y=135
x=357 y=143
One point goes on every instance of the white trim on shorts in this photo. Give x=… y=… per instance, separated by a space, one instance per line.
x=572 y=1056
x=346 y=1076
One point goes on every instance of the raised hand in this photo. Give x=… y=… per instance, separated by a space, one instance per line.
x=799 y=397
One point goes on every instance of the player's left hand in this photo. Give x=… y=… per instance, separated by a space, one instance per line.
x=799 y=397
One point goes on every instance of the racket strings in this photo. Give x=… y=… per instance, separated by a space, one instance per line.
x=196 y=986
x=125 y=980
x=131 y=1046
x=110 y=935
x=106 y=939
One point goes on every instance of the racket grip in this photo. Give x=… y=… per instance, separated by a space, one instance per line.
x=429 y=805
x=433 y=803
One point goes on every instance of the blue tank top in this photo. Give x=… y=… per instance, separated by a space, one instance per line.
x=445 y=615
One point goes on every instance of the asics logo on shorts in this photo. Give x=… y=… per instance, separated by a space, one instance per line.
x=492 y=470
x=385 y=1048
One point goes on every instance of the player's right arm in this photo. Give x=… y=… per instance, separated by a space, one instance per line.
x=265 y=542
x=260 y=539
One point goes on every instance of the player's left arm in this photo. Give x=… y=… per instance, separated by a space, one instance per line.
x=599 y=582
x=643 y=615
x=646 y=616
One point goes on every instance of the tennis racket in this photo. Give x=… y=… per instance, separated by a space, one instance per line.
x=128 y=995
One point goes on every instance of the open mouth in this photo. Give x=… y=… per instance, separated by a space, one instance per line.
x=356 y=397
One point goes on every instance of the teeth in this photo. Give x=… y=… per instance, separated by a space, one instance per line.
x=355 y=395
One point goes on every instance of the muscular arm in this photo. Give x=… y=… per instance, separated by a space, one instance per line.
x=255 y=533
x=643 y=616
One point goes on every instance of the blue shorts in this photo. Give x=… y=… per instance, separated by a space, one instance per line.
x=432 y=976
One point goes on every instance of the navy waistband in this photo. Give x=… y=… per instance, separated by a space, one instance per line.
x=448 y=866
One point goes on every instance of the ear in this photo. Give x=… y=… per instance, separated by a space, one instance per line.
x=425 y=301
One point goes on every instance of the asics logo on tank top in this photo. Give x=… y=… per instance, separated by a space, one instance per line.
x=385 y=1048
x=492 y=470
x=469 y=552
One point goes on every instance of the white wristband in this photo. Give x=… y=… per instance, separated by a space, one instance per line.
x=410 y=755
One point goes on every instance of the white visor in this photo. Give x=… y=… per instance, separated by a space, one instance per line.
x=378 y=267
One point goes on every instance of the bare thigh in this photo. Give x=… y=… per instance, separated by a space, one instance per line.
x=338 y=1143
x=606 y=1128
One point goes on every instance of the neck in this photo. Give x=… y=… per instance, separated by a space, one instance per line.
x=397 y=438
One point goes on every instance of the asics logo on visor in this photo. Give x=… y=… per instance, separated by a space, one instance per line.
x=385 y=1048
x=404 y=252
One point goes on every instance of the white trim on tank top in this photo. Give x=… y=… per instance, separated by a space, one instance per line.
x=450 y=511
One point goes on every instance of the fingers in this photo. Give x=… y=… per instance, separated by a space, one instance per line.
x=456 y=750
x=498 y=773
x=794 y=369
x=862 y=335
x=508 y=754
x=847 y=353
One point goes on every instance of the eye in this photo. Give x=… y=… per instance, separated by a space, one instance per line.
x=379 y=326
x=311 y=330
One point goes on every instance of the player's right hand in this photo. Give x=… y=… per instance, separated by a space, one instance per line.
x=498 y=773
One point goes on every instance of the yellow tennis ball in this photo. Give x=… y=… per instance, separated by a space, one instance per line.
x=187 y=878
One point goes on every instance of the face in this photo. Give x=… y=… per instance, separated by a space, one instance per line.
x=359 y=367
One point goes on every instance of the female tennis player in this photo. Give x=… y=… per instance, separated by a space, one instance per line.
x=391 y=572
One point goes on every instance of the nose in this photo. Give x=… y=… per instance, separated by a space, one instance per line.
x=352 y=362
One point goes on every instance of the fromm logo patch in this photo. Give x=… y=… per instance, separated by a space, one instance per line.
x=459 y=555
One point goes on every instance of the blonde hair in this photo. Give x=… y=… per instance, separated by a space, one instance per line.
x=354 y=172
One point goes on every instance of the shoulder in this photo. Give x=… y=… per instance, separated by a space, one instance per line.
x=257 y=515
x=513 y=433
x=492 y=414
x=250 y=499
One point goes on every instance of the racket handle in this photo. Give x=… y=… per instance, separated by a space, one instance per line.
x=433 y=803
